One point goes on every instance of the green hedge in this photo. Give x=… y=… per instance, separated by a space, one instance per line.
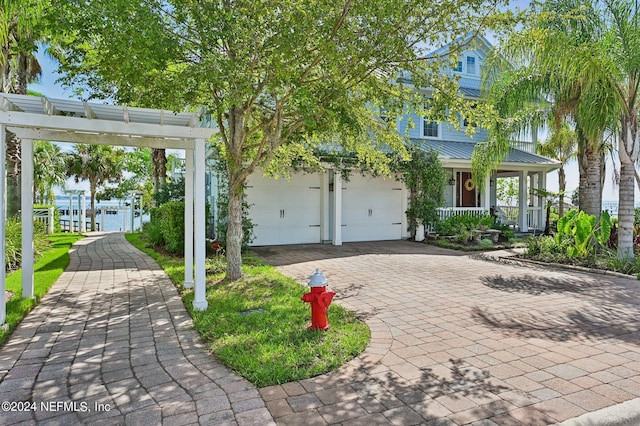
x=169 y=217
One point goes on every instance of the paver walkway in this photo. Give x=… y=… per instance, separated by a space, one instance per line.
x=460 y=340
x=455 y=340
x=112 y=343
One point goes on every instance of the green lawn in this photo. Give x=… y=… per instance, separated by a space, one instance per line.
x=258 y=325
x=47 y=270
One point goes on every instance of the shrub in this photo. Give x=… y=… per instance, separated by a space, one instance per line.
x=13 y=238
x=453 y=225
x=154 y=232
x=171 y=223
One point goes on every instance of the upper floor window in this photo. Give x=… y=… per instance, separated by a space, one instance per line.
x=430 y=129
x=459 y=67
x=471 y=65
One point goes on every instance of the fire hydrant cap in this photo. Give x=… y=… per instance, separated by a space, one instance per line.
x=318 y=279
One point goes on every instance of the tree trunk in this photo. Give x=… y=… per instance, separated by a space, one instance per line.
x=159 y=161
x=628 y=154
x=593 y=192
x=562 y=186
x=13 y=175
x=234 y=232
x=93 y=189
x=626 y=210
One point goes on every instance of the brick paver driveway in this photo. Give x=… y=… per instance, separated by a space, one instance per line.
x=457 y=339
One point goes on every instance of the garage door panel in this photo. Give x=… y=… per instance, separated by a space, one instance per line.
x=285 y=212
x=372 y=210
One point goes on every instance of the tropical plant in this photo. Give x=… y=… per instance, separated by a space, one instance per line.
x=561 y=145
x=580 y=233
x=19 y=34
x=426 y=180
x=98 y=164
x=594 y=54
x=541 y=90
x=49 y=170
x=276 y=77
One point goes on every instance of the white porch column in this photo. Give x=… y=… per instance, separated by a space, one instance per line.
x=82 y=209
x=27 y=217
x=337 y=208
x=3 y=222
x=200 y=300
x=324 y=207
x=188 y=219
x=486 y=192
x=523 y=204
x=542 y=185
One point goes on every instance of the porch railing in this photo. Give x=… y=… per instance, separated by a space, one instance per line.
x=446 y=212
x=511 y=212
x=533 y=215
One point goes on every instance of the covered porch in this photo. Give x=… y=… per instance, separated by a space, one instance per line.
x=464 y=196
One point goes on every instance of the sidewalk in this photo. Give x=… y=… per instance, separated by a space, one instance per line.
x=112 y=343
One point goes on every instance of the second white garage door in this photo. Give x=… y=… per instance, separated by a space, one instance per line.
x=284 y=212
x=371 y=209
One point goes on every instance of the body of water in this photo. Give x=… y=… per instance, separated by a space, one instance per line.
x=111 y=215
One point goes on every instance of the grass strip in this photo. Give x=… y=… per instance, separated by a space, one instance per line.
x=258 y=325
x=47 y=269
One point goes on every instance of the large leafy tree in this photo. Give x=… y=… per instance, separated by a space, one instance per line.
x=98 y=164
x=19 y=33
x=279 y=77
x=49 y=170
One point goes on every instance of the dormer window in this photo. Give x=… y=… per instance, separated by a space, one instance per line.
x=471 y=65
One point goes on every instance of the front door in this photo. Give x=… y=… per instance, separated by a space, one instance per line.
x=466 y=191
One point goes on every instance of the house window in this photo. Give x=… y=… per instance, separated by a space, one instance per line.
x=459 y=67
x=471 y=65
x=430 y=129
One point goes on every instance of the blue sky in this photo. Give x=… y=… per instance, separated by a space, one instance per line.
x=48 y=87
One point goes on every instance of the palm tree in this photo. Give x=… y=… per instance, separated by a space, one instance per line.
x=595 y=55
x=98 y=164
x=18 y=66
x=561 y=145
x=537 y=90
x=49 y=170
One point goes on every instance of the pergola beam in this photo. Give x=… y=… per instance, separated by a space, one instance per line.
x=101 y=139
x=81 y=124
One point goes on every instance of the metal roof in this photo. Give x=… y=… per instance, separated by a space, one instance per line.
x=464 y=150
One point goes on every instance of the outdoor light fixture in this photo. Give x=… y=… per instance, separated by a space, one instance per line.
x=492 y=182
x=452 y=180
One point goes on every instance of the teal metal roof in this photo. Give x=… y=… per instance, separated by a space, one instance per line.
x=463 y=151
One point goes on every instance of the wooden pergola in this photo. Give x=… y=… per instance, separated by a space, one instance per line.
x=62 y=120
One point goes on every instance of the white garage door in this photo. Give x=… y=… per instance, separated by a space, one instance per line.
x=284 y=212
x=371 y=209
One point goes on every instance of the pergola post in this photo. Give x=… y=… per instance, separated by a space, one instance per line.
x=3 y=222
x=27 y=217
x=188 y=219
x=200 y=300
x=337 y=208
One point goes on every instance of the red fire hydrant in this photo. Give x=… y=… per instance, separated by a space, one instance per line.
x=320 y=300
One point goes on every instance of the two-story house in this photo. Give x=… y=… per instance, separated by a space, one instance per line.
x=315 y=208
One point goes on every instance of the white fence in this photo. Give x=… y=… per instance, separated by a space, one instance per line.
x=45 y=216
x=533 y=215
x=446 y=212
